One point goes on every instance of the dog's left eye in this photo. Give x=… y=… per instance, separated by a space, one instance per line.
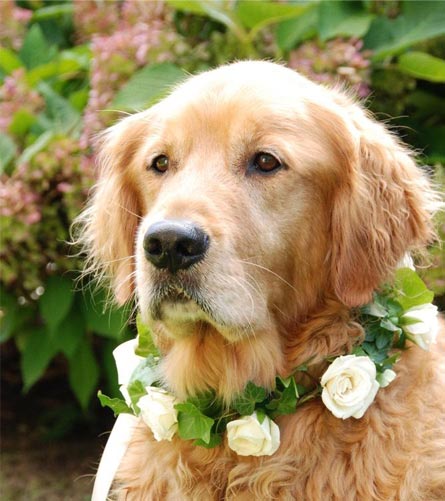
x=265 y=162
x=160 y=164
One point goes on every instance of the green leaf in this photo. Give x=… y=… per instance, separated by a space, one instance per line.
x=70 y=333
x=147 y=372
x=37 y=354
x=410 y=289
x=245 y=402
x=288 y=399
x=35 y=50
x=192 y=423
x=117 y=405
x=342 y=18
x=147 y=86
x=383 y=340
x=387 y=324
x=59 y=110
x=422 y=65
x=136 y=390
x=291 y=32
x=374 y=309
x=257 y=15
x=56 y=301
x=145 y=345
x=9 y=60
x=215 y=440
x=191 y=6
x=418 y=22
x=60 y=69
x=10 y=314
x=101 y=318
x=41 y=143
x=53 y=11
x=8 y=150
x=22 y=121
x=83 y=373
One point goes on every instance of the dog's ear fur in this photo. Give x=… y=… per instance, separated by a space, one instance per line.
x=382 y=213
x=108 y=225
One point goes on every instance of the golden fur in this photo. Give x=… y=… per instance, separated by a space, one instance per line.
x=291 y=253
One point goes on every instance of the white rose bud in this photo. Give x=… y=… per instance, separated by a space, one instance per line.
x=349 y=386
x=248 y=437
x=386 y=378
x=126 y=363
x=424 y=330
x=159 y=413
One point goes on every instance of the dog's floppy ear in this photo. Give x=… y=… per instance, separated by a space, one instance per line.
x=109 y=224
x=383 y=211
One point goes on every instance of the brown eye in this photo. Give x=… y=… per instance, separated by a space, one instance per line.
x=265 y=162
x=160 y=164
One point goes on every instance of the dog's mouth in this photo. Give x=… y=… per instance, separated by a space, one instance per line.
x=178 y=302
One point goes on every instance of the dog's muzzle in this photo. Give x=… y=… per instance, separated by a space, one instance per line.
x=175 y=244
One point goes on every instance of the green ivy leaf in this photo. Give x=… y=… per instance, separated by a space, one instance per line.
x=145 y=345
x=56 y=301
x=192 y=423
x=215 y=440
x=245 y=402
x=410 y=289
x=117 y=405
x=288 y=400
x=83 y=373
x=136 y=390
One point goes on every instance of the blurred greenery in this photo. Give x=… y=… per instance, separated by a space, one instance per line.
x=66 y=67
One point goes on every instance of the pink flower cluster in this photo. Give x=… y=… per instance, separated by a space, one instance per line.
x=338 y=61
x=130 y=35
x=13 y=24
x=15 y=95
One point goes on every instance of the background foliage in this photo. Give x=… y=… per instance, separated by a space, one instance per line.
x=67 y=70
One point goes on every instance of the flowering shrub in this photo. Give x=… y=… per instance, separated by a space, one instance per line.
x=68 y=69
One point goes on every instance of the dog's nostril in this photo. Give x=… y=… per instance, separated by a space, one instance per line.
x=153 y=246
x=175 y=244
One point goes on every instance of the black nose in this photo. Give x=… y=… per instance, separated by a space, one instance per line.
x=175 y=244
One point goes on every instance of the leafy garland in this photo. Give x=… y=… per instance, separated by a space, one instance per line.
x=398 y=313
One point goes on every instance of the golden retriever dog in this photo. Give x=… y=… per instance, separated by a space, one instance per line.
x=250 y=212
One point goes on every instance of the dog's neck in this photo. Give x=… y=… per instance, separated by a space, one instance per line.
x=208 y=361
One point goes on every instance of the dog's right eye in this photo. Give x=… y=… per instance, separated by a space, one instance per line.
x=265 y=163
x=160 y=164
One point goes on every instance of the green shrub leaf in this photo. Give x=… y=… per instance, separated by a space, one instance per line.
x=83 y=373
x=37 y=354
x=147 y=86
x=8 y=150
x=8 y=60
x=70 y=332
x=293 y=31
x=418 y=22
x=35 y=49
x=422 y=65
x=56 y=301
x=342 y=18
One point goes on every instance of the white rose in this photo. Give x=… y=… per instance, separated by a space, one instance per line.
x=159 y=413
x=349 y=386
x=406 y=262
x=424 y=331
x=386 y=378
x=248 y=437
x=126 y=363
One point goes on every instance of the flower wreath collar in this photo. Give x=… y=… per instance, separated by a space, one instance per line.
x=398 y=313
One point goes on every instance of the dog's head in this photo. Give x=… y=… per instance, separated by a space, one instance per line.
x=248 y=196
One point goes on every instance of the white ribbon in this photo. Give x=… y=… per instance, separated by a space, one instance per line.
x=114 y=451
